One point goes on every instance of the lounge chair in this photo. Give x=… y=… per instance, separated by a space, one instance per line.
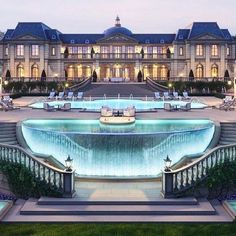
x=66 y=107
x=186 y=107
x=8 y=106
x=129 y=112
x=48 y=107
x=61 y=96
x=51 y=95
x=157 y=96
x=6 y=99
x=228 y=99
x=70 y=96
x=176 y=96
x=80 y=95
x=106 y=112
x=185 y=96
x=166 y=96
x=228 y=106
x=169 y=107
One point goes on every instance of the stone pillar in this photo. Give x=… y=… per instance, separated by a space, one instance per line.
x=27 y=71
x=12 y=61
x=167 y=185
x=68 y=184
x=223 y=62
x=192 y=58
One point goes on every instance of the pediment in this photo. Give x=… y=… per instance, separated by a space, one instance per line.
x=207 y=37
x=28 y=37
x=117 y=38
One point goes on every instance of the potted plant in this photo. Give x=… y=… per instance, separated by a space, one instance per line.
x=140 y=76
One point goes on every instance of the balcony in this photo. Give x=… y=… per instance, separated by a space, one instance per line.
x=117 y=56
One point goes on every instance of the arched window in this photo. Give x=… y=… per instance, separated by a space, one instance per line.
x=20 y=71
x=71 y=72
x=214 y=71
x=164 y=71
x=199 y=71
x=34 y=71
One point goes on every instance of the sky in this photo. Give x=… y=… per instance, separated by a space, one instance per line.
x=94 y=16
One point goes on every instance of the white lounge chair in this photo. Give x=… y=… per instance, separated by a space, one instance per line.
x=70 y=95
x=51 y=95
x=80 y=95
x=61 y=96
x=6 y=99
x=176 y=96
x=48 y=107
x=228 y=99
x=66 y=107
x=186 y=107
x=7 y=106
x=106 y=112
x=185 y=96
x=166 y=96
x=157 y=96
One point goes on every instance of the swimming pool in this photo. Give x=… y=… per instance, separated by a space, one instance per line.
x=119 y=104
x=118 y=150
x=5 y=205
x=230 y=206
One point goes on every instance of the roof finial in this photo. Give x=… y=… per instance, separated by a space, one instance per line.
x=118 y=21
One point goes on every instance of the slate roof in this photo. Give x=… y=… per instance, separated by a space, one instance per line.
x=44 y=32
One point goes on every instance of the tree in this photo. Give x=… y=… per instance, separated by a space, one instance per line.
x=168 y=53
x=191 y=75
x=66 y=53
x=94 y=76
x=66 y=75
x=226 y=75
x=140 y=76
x=8 y=75
x=92 y=53
x=142 y=53
x=43 y=76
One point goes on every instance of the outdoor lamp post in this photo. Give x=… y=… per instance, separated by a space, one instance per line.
x=168 y=162
x=68 y=163
x=0 y=85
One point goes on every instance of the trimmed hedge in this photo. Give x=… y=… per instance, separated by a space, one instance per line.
x=23 y=184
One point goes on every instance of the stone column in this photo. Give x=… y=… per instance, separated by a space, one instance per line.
x=222 y=61
x=27 y=71
x=208 y=65
x=12 y=61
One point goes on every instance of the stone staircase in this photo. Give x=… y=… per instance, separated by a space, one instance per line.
x=159 y=210
x=8 y=133
x=228 y=133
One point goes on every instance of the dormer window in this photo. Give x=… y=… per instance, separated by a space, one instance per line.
x=87 y=41
x=72 y=41
x=7 y=37
x=162 y=41
x=147 y=41
x=53 y=36
x=181 y=37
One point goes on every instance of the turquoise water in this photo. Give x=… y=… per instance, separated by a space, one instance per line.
x=119 y=104
x=3 y=204
x=232 y=205
x=122 y=151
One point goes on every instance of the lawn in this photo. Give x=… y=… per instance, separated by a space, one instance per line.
x=118 y=229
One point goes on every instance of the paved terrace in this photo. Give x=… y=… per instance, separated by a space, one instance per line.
x=26 y=113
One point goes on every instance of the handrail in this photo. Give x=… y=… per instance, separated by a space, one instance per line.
x=60 y=179
x=81 y=85
x=177 y=181
x=156 y=85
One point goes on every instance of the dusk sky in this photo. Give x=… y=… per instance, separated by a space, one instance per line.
x=94 y=16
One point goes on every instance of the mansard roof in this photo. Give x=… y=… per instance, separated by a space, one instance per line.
x=43 y=32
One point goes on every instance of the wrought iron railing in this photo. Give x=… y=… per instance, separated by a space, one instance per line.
x=177 y=181
x=56 y=178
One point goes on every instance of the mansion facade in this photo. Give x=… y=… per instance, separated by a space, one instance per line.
x=204 y=50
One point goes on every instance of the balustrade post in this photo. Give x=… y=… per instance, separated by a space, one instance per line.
x=69 y=184
x=167 y=184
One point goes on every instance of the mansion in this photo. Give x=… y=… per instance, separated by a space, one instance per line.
x=204 y=50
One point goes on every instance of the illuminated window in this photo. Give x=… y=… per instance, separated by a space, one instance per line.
x=228 y=51
x=199 y=50
x=6 y=51
x=53 y=52
x=214 y=71
x=199 y=71
x=181 y=51
x=214 y=50
x=20 y=50
x=35 y=50
x=35 y=71
x=20 y=71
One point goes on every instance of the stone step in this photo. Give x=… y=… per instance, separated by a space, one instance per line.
x=8 y=139
x=32 y=208
x=11 y=143
x=79 y=201
x=224 y=143
x=7 y=135
x=228 y=139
